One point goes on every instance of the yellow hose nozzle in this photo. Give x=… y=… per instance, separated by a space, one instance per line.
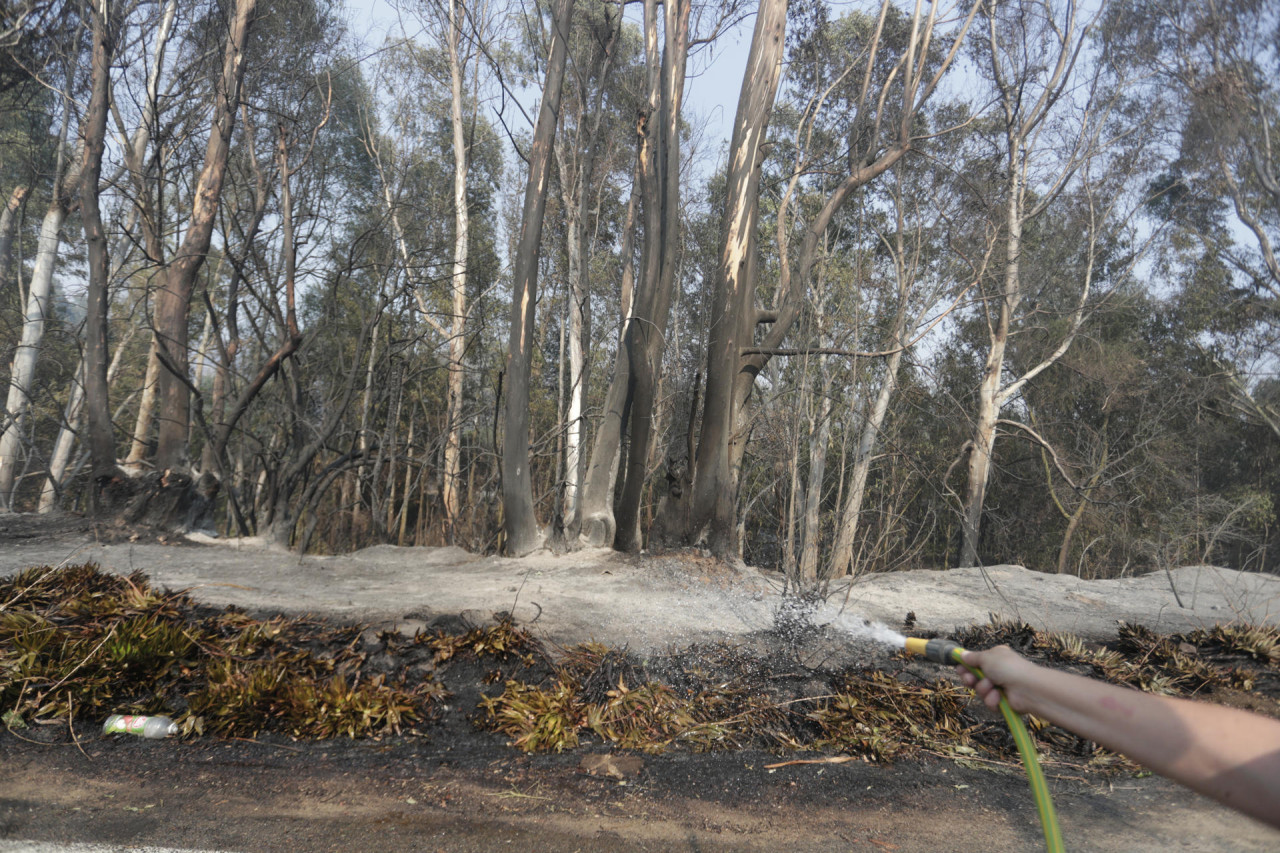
x=938 y=651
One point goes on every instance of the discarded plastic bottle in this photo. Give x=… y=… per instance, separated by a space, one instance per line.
x=148 y=727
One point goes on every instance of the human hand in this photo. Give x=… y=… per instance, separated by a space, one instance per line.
x=1006 y=673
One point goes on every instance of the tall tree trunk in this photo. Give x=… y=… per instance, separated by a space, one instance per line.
x=408 y=483
x=173 y=300
x=101 y=438
x=366 y=408
x=789 y=560
x=714 y=498
x=138 y=446
x=594 y=524
x=647 y=340
x=23 y=369
x=577 y=182
x=577 y=363
x=990 y=398
x=989 y=402
x=449 y=491
x=629 y=403
x=820 y=440
x=519 y=518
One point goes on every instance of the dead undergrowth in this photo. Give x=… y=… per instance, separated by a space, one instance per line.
x=77 y=644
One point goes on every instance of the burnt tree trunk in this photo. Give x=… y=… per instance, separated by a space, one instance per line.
x=629 y=404
x=173 y=300
x=646 y=340
x=733 y=319
x=520 y=523
x=101 y=439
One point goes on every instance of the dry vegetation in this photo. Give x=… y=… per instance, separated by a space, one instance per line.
x=77 y=644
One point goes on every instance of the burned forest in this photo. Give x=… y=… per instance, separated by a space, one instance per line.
x=909 y=286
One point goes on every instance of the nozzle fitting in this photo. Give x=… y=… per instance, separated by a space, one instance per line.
x=938 y=651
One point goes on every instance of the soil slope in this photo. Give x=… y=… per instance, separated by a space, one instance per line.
x=464 y=792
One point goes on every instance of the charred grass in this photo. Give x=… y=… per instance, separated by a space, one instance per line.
x=77 y=644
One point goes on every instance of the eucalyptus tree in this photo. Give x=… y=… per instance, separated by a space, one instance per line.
x=520 y=523
x=1219 y=66
x=585 y=153
x=107 y=28
x=64 y=75
x=459 y=59
x=891 y=81
x=1060 y=137
x=138 y=160
x=629 y=403
x=735 y=276
x=173 y=299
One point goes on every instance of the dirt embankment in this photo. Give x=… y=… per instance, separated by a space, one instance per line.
x=465 y=790
x=644 y=602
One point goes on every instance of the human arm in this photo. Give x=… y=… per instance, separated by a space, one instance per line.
x=1229 y=755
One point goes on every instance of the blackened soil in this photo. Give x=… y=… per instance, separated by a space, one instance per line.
x=446 y=785
x=450 y=786
x=473 y=793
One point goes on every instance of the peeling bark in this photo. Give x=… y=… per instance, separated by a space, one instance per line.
x=173 y=300
x=449 y=491
x=101 y=438
x=520 y=523
x=714 y=494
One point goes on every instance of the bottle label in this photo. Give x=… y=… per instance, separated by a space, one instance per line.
x=125 y=724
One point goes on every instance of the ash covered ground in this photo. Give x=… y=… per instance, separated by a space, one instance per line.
x=451 y=785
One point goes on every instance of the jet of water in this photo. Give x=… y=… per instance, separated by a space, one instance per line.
x=862 y=628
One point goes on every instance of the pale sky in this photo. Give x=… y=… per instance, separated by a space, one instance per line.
x=714 y=76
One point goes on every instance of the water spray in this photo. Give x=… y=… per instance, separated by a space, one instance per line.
x=946 y=652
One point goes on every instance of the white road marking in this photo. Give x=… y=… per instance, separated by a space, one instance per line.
x=50 y=847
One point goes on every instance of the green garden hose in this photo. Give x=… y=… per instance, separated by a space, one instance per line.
x=946 y=652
